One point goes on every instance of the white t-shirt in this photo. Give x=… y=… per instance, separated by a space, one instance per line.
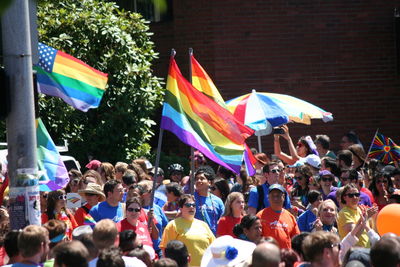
x=129 y=262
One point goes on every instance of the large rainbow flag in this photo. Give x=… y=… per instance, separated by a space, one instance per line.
x=384 y=149
x=49 y=160
x=201 y=123
x=66 y=77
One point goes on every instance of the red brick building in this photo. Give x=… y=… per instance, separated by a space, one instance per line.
x=339 y=55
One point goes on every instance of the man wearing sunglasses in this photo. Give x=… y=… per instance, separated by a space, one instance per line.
x=258 y=197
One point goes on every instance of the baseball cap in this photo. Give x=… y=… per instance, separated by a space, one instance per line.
x=276 y=187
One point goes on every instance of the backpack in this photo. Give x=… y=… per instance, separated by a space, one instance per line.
x=260 y=192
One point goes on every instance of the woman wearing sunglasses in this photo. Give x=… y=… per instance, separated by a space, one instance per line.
x=195 y=234
x=57 y=209
x=381 y=188
x=350 y=214
x=144 y=233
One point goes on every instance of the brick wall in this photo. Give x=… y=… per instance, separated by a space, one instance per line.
x=338 y=55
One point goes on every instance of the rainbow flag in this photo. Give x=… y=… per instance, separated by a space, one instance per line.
x=66 y=77
x=202 y=82
x=384 y=149
x=49 y=160
x=201 y=123
x=88 y=220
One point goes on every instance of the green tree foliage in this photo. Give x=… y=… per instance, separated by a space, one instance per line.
x=116 y=42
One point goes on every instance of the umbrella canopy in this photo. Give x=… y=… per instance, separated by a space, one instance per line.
x=263 y=111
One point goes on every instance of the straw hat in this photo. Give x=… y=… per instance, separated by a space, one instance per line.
x=93 y=188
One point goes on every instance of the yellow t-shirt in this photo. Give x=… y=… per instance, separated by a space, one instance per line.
x=349 y=215
x=195 y=234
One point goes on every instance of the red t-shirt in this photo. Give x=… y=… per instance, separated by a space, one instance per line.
x=281 y=226
x=369 y=193
x=81 y=213
x=141 y=230
x=226 y=224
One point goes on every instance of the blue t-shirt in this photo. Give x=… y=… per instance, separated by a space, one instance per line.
x=18 y=264
x=162 y=222
x=104 y=211
x=306 y=221
x=253 y=198
x=209 y=209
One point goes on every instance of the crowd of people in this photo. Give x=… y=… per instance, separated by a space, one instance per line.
x=308 y=207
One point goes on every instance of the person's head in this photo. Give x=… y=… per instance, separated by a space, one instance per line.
x=396 y=178
x=386 y=252
x=271 y=172
x=303 y=147
x=344 y=177
x=358 y=155
x=74 y=181
x=128 y=241
x=11 y=244
x=120 y=169
x=322 y=247
x=107 y=171
x=297 y=243
x=225 y=173
x=129 y=178
x=234 y=204
x=220 y=188
x=327 y=211
x=57 y=231
x=113 y=190
x=93 y=193
x=276 y=196
x=322 y=142
x=91 y=176
x=314 y=197
x=110 y=257
x=142 y=255
x=381 y=182
x=289 y=256
x=174 y=191
x=175 y=172
x=165 y=262
x=133 y=208
x=326 y=179
x=104 y=234
x=199 y=159
x=87 y=240
x=177 y=251
x=266 y=255
x=56 y=200
x=331 y=165
x=303 y=174
x=187 y=206
x=33 y=241
x=344 y=159
x=143 y=164
x=350 y=196
x=204 y=176
x=262 y=160
x=250 y=226
x=146 y=193
x=70 y=254
x=349 y=139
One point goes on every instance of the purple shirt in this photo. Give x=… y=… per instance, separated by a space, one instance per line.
x=364 y=198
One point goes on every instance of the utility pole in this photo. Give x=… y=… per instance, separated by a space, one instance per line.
x=21 y=130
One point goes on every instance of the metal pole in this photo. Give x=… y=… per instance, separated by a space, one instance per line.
x=156 y=165
x=259 y=143
x=21 y=132
x=191 y=148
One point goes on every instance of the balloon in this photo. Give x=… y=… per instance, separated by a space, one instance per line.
x=388 y=219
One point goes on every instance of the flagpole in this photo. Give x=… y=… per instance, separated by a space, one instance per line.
x=191 y=148
x=157 y=163
x=370 y=147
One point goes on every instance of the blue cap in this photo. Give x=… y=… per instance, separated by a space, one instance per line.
x=276 y=187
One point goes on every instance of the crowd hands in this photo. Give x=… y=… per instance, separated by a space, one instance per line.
x=307 y=207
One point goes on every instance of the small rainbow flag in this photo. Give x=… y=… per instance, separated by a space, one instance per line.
x=202 y=123
x=66 y=77
x=88 y=220
x=384 y=149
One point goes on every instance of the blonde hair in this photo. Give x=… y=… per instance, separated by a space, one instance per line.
x=324 y=203
x=107 y=169
x=30 y=240
x=121 y=167
x=228 y=203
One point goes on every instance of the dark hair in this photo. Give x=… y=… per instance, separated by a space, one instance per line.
x=306 y=145
x=378 y=175
x=11 y=243
x=289 y=256
x=386 y=252
x=129 y=177
x=110 y=185
x=332 y=165
x=246 y=222
x=223 y=187
x=353 y=138
x=87 y=241
x=71 y=254
x=297 y=242
x=142 y=255
x=110 y=257
x=133 y=200
x=165 y=262
x=208 y=172
x=345 y=156
x=177 y=251
x=226 y=174
x=126 y=240
x=313 y=196
x=184 y=198
x=55 y=228
x=52 y=199
x=174 y=188
x=322 y=139
x=266 y=168
x=346 y=188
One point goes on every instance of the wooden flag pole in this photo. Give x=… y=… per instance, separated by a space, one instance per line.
x=191 y=148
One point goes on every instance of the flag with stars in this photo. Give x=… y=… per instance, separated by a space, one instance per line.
x=384 y=149
x=66 y=77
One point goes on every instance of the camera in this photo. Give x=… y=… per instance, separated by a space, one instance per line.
x=278 y=130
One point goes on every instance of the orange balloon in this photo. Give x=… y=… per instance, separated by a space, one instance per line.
x=388 y=220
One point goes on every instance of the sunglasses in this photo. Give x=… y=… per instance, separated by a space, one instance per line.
x=212 y=188
x=299 y=144
x=344 y=179
x=381 y=181
x=275 y=171
x=190 y=205
x=327 y=179
x=352 y=195
x=90 y=194
x=62 y=197
x=133 y=209
x=298 y=177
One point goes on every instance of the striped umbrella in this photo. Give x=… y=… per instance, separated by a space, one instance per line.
x=263 y=111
